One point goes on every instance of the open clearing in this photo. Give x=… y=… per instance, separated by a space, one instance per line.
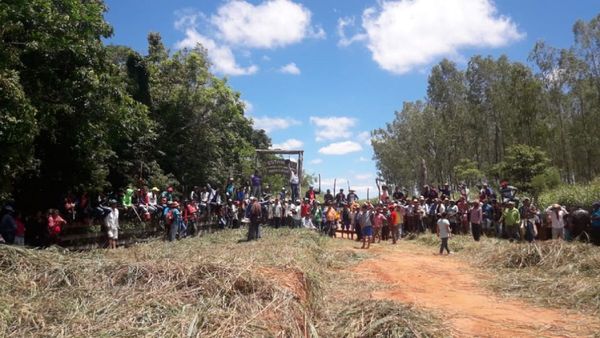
x=456 y=291
x=291 y=283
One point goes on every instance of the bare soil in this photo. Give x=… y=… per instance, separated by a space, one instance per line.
x=455 y=290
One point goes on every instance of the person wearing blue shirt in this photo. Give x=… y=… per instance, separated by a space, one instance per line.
x=488 y=216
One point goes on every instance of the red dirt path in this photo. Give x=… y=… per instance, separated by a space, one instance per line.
x=453 y=289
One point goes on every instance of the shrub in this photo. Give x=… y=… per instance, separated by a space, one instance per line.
x=572 y=195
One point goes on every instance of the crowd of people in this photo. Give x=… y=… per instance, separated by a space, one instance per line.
x=437 y=210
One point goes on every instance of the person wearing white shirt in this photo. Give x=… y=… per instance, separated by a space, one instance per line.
x=557 y=213
x=112 y=225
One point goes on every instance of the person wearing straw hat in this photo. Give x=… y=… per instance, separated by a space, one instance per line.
x=556 y=213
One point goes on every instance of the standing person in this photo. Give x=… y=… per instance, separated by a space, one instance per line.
x=317 y=214
x=277 y=213
x=463 y=210
x=340 y=199
x=230 y=189
x=255 y=217
x=557 y=214
x=346 y=220
x=331 y=217
x=311 y=194
x=511 y=220
x=8 y=225
x=20 y=230
x=377 y=223
x=476 y=218
x=294 y=183
x=297 y=214
x=497 y=216
x=529 y=221
x=453 y=217
x=256 y=182
x=394 y=222
x=55 y=225
x=328 y=198
x=595 y=229
x=366 y=227
x=443 y=232
x=488 y=215
x=351 y=197
x=446 y=191
x=173 y=220
x=111 y=221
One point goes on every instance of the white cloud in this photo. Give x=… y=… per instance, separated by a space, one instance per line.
x=341 y=148
x=363 y=177
x=290 y=68
x=220 y=55
x=270 y=124
x=248 y=107
x=365 y=137
x=272 y=23
x=331 y=128
x=316 y=161
x=291 y=144
x=344 y=41
x=406 y=34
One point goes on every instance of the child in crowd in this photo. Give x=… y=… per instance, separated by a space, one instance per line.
x=443 y=232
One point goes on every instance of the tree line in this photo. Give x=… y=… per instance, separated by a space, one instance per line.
x=499 y=119
x=80 y=115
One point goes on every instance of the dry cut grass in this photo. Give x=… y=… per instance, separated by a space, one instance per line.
x=201 y=287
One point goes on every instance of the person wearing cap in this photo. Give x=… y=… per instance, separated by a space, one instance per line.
x=595 y=228
x=511 y=220
x=111 y=222
x=352 y=197
x=8 y=225
x=328 y=198
x=556 y=213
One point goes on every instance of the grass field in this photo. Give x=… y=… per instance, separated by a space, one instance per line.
x=291 y=283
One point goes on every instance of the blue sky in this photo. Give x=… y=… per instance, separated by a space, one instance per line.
x=319 y=75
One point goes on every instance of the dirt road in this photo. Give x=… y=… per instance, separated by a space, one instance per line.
x=456 y=291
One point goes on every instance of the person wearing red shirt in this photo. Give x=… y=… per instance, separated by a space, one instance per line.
x=55 y=225
x=305 y=208
x=394 y=221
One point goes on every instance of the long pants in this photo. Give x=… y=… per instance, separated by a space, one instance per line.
x=444 y=245
x=294 y=192
x=331 y=227
x=257 y=191
x=394 y=231
x=276 y=222
x=358 y=232
x=253 y=230
x=512 y=231
x=476 y=230
x=173 y=229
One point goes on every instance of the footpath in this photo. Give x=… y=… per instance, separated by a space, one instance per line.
x=455 y=291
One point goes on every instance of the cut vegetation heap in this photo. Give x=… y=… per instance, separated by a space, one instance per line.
x=288 y=284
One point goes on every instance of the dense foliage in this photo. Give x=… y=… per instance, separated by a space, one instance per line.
x=499 y=119
x=79 y=115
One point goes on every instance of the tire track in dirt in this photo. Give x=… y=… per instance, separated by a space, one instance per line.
x=450 y=287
